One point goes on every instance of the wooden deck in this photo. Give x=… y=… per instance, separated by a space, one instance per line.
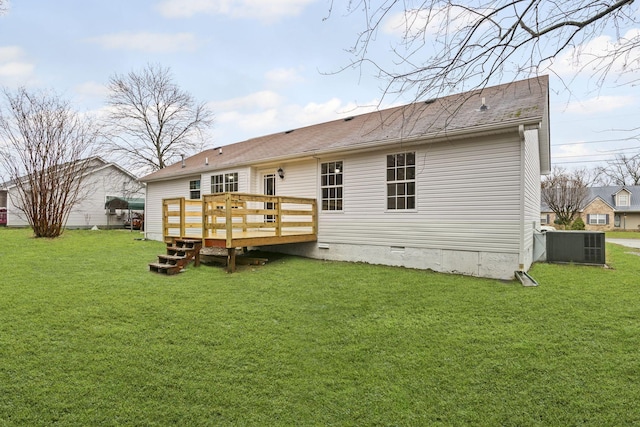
x=235 y=220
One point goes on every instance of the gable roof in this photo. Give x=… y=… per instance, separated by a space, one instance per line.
x=510 y=105
x=95 y=164
x=608 y=194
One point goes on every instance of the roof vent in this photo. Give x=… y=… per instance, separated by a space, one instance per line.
x=484 y=106
x=348 y=119
x=289 y=131
x=430 y=101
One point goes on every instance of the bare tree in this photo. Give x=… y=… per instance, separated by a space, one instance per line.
x=46 y=146
x=445 y=45
x=623 y=170
x=153 y=120
x=565 y=193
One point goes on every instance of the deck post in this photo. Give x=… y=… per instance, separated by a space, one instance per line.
x=279 y=217
x=231 y=260
x=183 y=215
x=228 y=219
x=314 y=217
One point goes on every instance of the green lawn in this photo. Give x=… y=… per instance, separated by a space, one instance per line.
x=623 y=234
x=89 y=337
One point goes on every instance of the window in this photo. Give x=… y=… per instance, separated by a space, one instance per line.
x=623 y=199
x=401 y=181
x=194 y=189
x=598 y=219
x=544 y=219
x=331 y=185
x=224 y=183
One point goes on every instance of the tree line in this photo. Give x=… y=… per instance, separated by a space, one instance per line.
x=47 y=146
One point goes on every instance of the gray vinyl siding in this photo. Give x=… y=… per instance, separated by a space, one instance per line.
x=156 y=191
x=300 y=179
x=468 y=198
x=244 y=179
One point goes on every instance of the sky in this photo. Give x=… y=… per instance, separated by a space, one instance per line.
x=266 y=66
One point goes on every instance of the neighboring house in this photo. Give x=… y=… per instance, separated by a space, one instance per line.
x=607 y=208
x=103 y=182
x=449 y=184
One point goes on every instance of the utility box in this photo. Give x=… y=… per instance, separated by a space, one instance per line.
x=582 y=247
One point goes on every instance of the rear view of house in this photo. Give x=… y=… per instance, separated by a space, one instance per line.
x=449 y=184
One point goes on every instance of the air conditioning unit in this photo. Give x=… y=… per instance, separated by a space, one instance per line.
x=581 y=247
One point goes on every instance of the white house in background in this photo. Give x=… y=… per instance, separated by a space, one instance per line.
x=450 y=184
x=103 y=182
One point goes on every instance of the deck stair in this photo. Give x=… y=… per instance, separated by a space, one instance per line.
x=180 y=252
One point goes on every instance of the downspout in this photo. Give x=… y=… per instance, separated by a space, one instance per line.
x=144 y=218
x=522 y=198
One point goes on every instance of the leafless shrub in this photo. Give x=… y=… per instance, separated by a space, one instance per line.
x=47 y=149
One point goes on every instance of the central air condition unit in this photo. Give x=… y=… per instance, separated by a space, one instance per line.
x=583 y=247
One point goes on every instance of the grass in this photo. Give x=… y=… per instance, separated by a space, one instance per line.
x=89 y=337
x=623 y=234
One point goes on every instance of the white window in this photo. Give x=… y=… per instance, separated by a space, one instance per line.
x=544 y=219
x=623 y=199
x=331 y=185
x=598 y=219
x=401 y=181
x=224 y=183
x=194 y=189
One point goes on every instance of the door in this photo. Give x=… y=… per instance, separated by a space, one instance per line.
x=269 y=189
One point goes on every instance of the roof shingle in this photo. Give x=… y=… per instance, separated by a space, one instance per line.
x=513 y=103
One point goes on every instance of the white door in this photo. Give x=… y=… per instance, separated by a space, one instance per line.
x=269 y=189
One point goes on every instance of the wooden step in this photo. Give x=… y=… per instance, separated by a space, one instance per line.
x=179 y=249
x=172 y=257
x=188 y=243
x=168 y=269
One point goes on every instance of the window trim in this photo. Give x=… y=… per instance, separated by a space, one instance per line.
x=338 y=175
x=594 y=219
x=413 y=180
x=628 y=199
x=193 y=188
x=225 y=182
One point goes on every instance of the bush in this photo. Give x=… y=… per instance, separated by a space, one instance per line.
x=578 y=224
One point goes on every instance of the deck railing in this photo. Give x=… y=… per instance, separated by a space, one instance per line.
x=235 y=215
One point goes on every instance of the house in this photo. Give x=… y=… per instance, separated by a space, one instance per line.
x=450 y=184
x=103 y=182
x=608 y=208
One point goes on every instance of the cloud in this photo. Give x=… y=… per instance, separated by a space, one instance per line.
x=260 y=100
x=432 y=21
x=283 y=76
x=263 y=10
x=267 y=112
x=91 y=90
x=13 y=67
x=617 y=56
x=10 y=53
x=148 y=42
x=600 y=104
x=16 y=70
